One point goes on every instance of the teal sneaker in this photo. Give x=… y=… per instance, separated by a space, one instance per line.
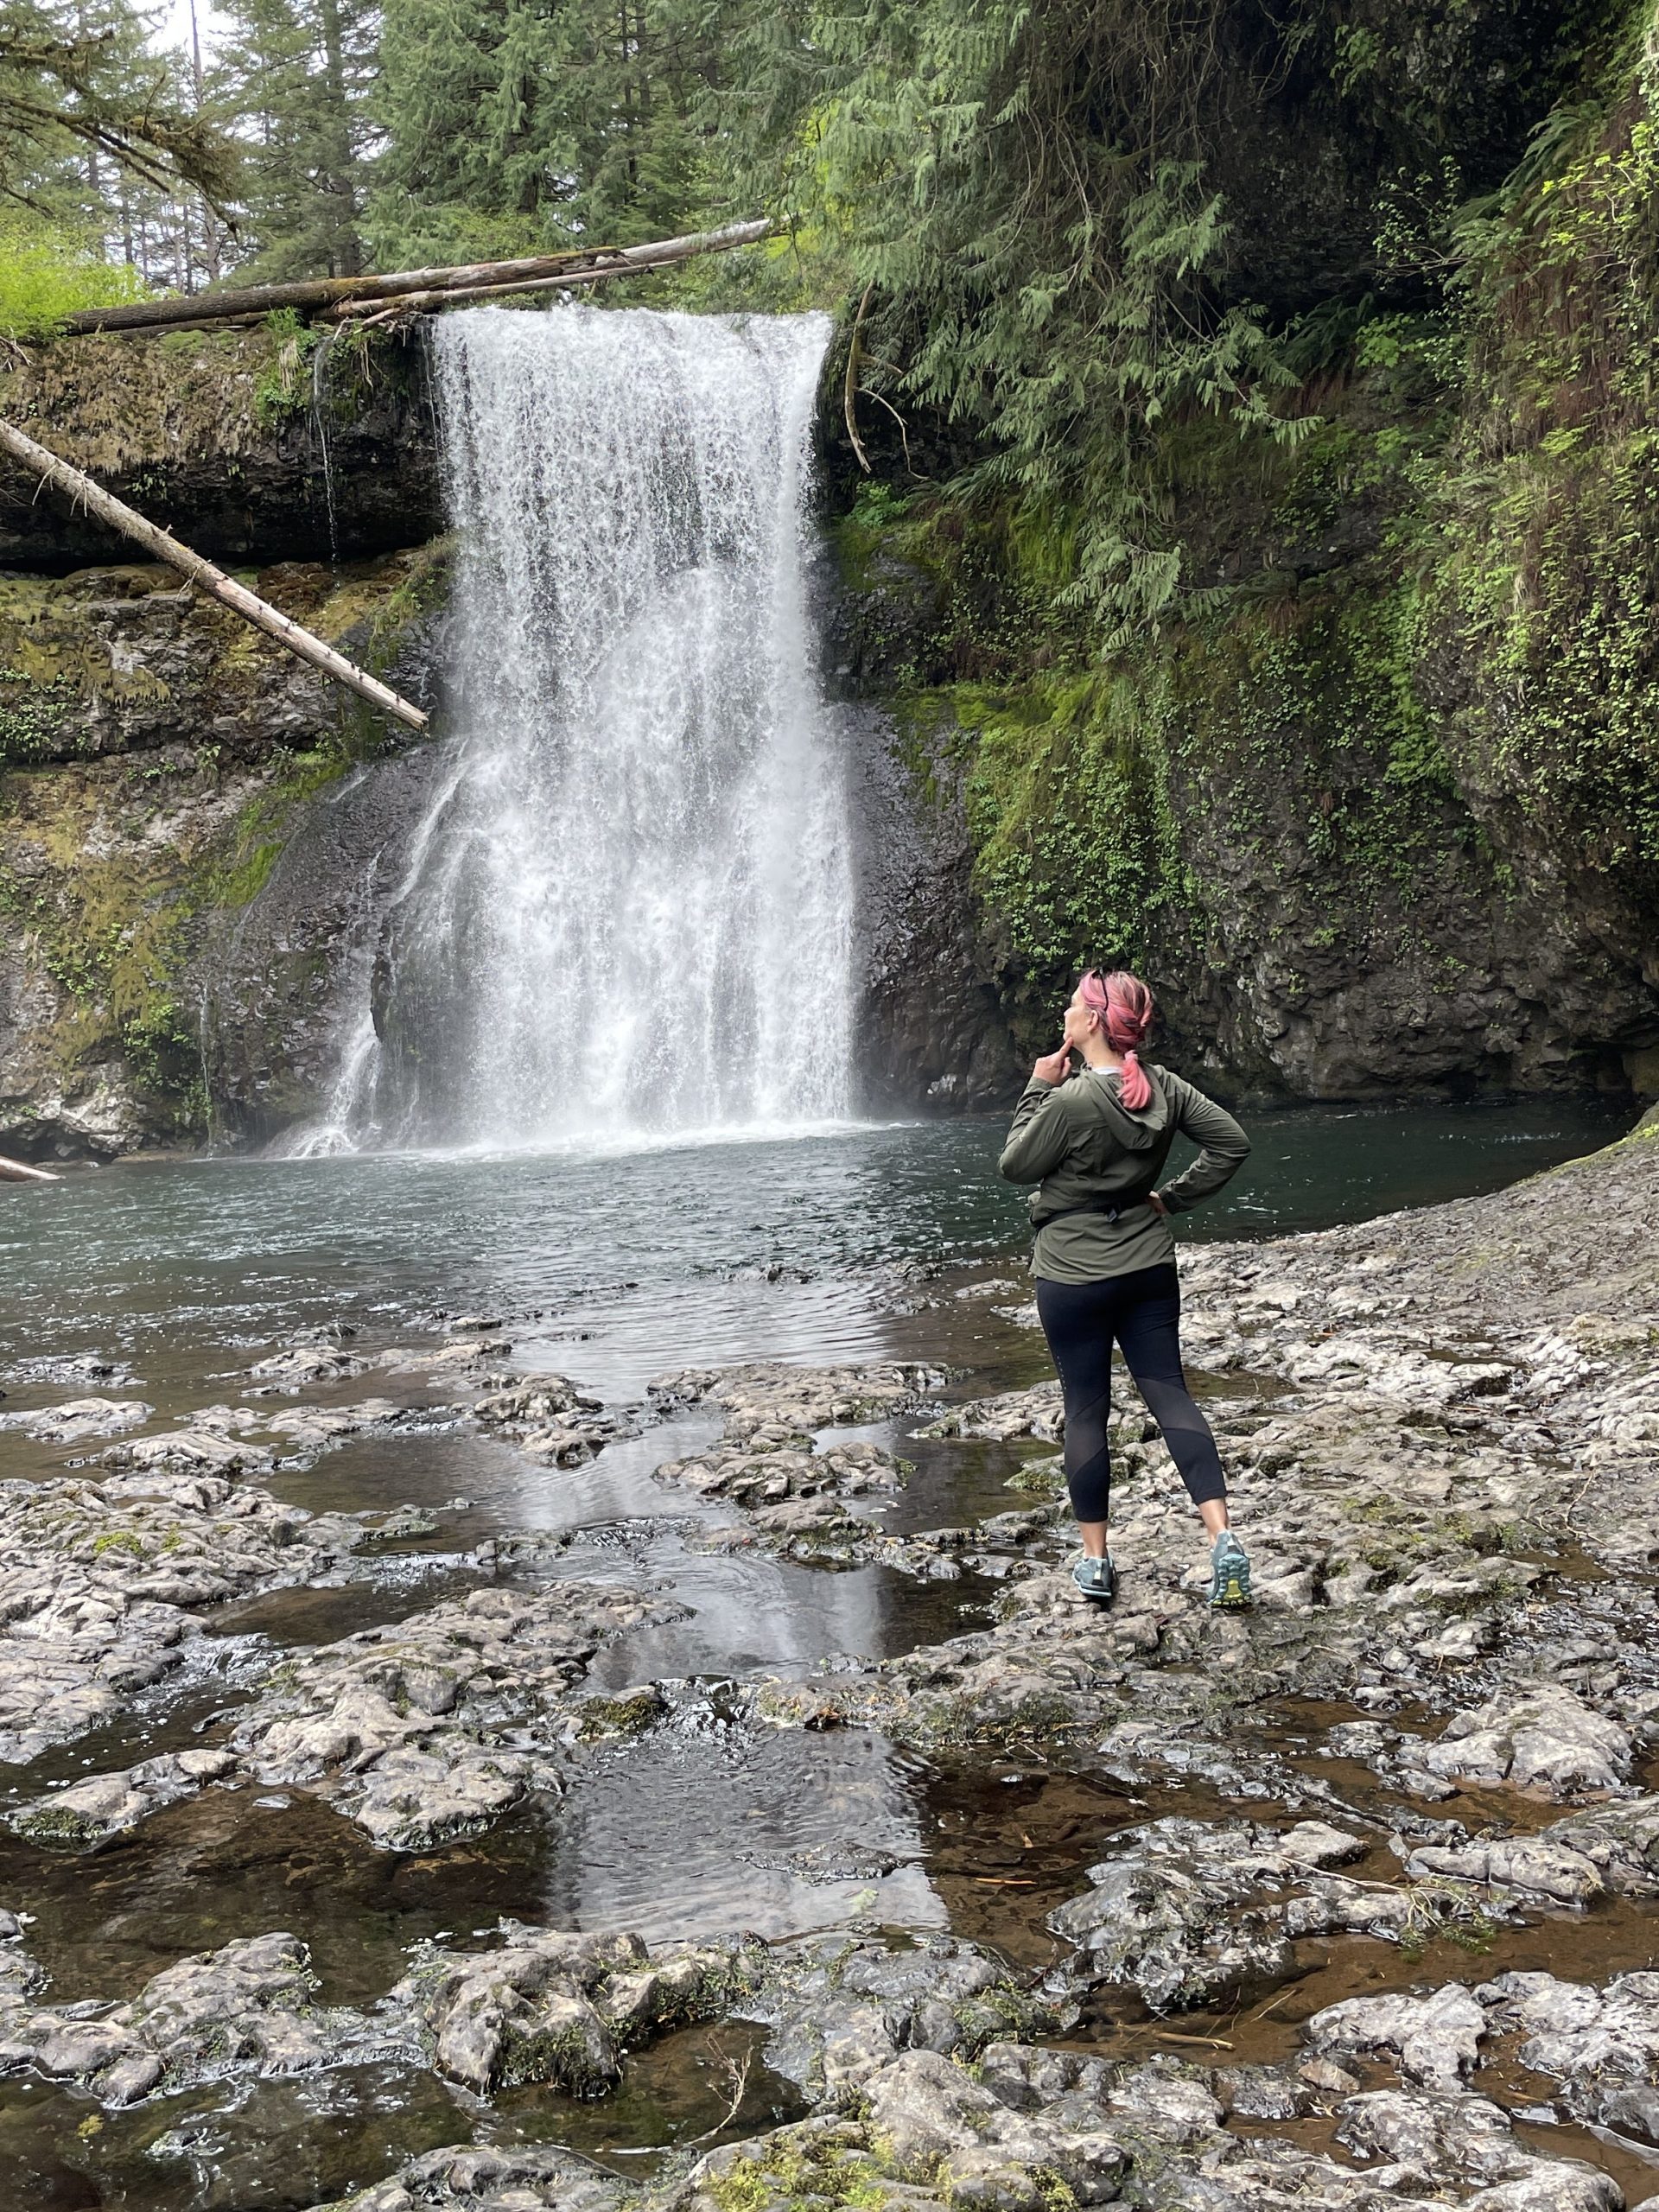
x=1229 y=1573
x=1096 y=1578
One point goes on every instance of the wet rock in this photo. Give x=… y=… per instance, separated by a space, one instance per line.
x=998 y=1684
x=414 y=1796
x=1601 y=2046
x=530 y=1405
x=550 y=1418
x=846 y=1861
x=1552 y=2186
x=1529 y=1864
x=1182 y=1910
x=250 y=2006
x=572 y=1440
x=492 y=2178
x=1543 y=1738
x=210 y=1449
x=603 y=1716
x=400 y=1525
x=291 y=1368
x=1468 y=2136
x=789 y=1493
x=782 y=1403
x=313 y=1428
x=928 y=2134
x=100 y=1583
x=1436 y=2038
x=1326 y=2077
x=77 y=1419
x=421 y=1730
x=1025 y=2076
x=842 y=2007
x=18 y=1973
x=547 y=2006
x=1262 y=2092
x=1035 y=1413
x=1621 y=1841
x=468 y=1359
x=1355 y=1362
x=935 y=2124
x=1178 y=1912
x=88 y=1812
x=70 y=1371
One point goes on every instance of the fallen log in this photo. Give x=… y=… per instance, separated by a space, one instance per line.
x=332 y=298
x=214 y=581
x=14 y=1170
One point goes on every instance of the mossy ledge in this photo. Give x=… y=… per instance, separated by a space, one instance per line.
x=156 y=756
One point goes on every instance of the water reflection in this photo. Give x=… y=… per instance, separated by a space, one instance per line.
x=616 y=1268
x=778 y=1834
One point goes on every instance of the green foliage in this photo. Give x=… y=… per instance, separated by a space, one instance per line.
x=255 y=844
x=84 y=102
x=1067 y=810
x=34 y=720
x=518 y=128
x=284 y=384
x=296 y=78
x=1025 y=189
x=48 y=270
x=1550 y=560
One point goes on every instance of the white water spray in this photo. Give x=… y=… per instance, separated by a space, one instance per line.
x=628 y=909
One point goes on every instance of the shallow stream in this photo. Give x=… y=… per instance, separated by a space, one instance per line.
x=611 y=1270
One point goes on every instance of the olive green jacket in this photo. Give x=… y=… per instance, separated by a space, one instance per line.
x=1078 y=1142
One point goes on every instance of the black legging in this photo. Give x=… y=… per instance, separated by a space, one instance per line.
x=1143 y=1312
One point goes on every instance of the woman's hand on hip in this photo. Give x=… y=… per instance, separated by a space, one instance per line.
x=1156 y=1203
x=1053 y=1067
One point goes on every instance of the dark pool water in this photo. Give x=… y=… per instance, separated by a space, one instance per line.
x=614 y=1267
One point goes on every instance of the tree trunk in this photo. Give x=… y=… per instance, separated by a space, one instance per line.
x=317 y=295
x=225 y=590
x=14 y=1170
x=348 y=248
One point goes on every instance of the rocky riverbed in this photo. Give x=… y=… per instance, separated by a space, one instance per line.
x=370 y=1843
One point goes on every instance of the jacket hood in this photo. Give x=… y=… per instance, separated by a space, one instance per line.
x=1136 y=1131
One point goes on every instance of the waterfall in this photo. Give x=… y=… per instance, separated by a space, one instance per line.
x=628 y=908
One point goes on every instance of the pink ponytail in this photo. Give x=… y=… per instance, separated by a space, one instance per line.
x=1124 y=1007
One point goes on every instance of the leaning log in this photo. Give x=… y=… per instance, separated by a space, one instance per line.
x=14 y=1170
x=225 y=590
x=331 y=297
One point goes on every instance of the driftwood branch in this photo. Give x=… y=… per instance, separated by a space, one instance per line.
x=849 y=388
x=337 y=298
x=81 y=489
x=14 y=1171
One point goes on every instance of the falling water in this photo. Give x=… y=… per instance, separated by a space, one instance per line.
x=628 y=908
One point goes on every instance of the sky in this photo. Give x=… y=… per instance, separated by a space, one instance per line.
x=173 y=24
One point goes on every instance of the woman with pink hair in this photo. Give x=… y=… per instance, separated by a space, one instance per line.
x=1095 y=1142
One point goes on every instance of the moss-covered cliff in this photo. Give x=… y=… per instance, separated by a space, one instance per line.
x=157 y=754
x=132 y=873
x=1378 y=803
x=273 y=443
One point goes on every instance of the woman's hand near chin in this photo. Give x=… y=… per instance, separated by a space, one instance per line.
x=1053 y=1067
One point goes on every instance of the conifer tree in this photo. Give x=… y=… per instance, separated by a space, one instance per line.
x=83 y=103
x=515 y=123
x=293 y=80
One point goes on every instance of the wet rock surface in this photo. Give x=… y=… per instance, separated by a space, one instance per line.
x=1378 y=1859
x=101 y=1583
x=436 y=1727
